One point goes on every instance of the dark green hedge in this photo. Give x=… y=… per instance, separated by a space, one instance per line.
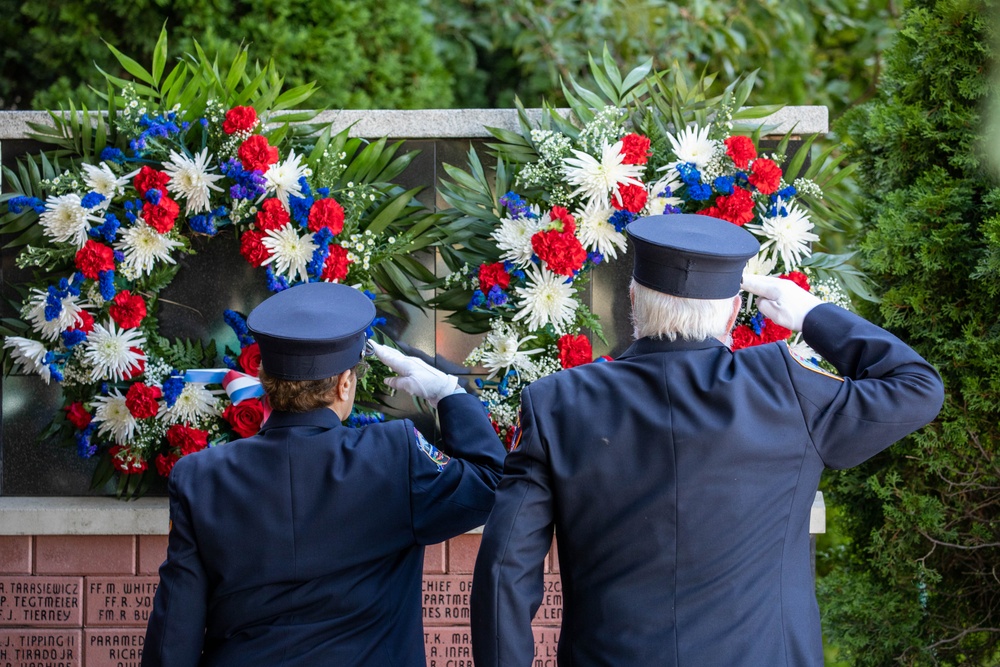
x=363 y=55
x=920 y=584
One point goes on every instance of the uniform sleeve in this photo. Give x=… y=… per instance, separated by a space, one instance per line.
x=452 y=489
x=887 y=392
x=507 y=584
x=176 y=629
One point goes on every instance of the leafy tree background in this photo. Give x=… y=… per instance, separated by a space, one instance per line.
x=464 y=53
x=363 y=54
x=920 y=584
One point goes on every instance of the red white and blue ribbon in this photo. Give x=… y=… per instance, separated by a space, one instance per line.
x=238 y=386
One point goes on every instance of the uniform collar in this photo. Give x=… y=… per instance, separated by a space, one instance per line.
x=320 y=418
x=653 y=345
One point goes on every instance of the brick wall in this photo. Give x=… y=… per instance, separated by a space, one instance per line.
x=83 y=600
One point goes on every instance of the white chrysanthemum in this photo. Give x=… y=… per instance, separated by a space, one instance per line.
x=290 y=252
x=502 y=350
x=787 y=235
x=283 y=178
x=190 y=180
x=547 y=299
x=143 y=246
x=69 y=315
x=29 y=355
x=113 y=418
x=598 y=179
x=661 y=194
x=596 y=233
x=513 y=237
x=109 y=351
x=65 y=219
x=193 y=403
x=103 y=181
x=693 y=145
x=761 y=264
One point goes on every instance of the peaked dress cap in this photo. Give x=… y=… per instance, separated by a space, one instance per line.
x=690 y=255
x=311 y=331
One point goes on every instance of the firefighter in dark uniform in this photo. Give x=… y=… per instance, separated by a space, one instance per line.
x=679 y=477
x=304 y=544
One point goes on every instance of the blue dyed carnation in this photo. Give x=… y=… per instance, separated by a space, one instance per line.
x=92 y=199
x=620 y=219
x=172 y=388
x=699 y=192
x=73 y=337
x=110 y=154
x=723 y=185
x=106 y=285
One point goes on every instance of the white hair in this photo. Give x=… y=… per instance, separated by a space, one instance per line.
x=659 y=315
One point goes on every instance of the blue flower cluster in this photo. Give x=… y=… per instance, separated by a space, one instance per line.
x=249 y=184
x=156 y=127
x=238 y=324
x=113 y=155
x=204 y=223
x=17 y=204
x=360 y=418
x=85 y=448
x=58 y=292
x=107 y=230
x=172 y=388
x=516 y=205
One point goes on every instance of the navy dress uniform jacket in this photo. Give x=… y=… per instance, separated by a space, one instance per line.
x=303 y=545
x=679 y=480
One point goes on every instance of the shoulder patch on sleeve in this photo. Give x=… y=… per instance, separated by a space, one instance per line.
x=515 y=436
x=430 y=451
x=810 y=365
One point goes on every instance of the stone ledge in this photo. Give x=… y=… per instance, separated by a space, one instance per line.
x=453 y=123
x=146 y=516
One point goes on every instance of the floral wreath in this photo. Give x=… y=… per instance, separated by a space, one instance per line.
x=563 y=192
x=178 y=154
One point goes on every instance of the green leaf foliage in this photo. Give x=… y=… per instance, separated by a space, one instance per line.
x=361 y=55
x=918 y=585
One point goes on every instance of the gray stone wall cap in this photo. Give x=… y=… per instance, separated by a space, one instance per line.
x=455 y=123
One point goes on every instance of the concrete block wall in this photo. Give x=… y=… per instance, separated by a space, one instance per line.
x=84 y=600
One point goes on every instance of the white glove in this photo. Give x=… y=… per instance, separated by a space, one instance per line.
x=415 y=376
x=781 y=300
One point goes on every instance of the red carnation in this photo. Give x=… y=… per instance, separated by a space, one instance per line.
x=765 y=175
x=561 y=252
x=741 y=150
x=633 y=198
x=743 y=336
x=246 y=417
x=188 y=440
x=250 y=359
x=239 y=119
x=127 y=310
x=138 y=368
x=272 y=215
x=165 y=463
x=141 y=400
x=93 y=258
x=772 y=332
x=256 y=154
x=635 y=148
x=86 y=324
x=252 y=249
x=162 y=215
x=737 y=208
x=326 y=213
x=561 y=214
x=493 y=274
x=125 y=461
x=574 y=350
x=77 y=415
x=150 y=179
x=336 y=264
x=798 y=278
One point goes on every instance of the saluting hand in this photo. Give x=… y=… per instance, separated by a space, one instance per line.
x=781 y=300
x=415 y=376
